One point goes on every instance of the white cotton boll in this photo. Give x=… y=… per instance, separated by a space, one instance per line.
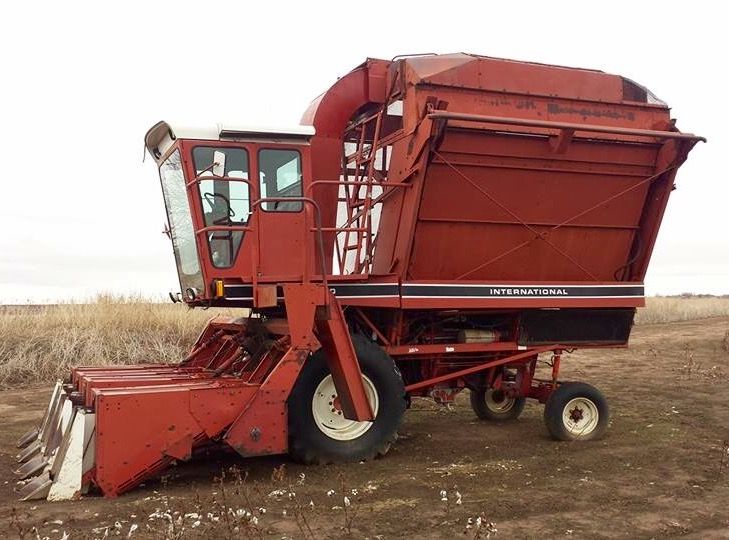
x=346 y=501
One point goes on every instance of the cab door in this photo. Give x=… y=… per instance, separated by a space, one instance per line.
x=223 y=193
x=283 y=228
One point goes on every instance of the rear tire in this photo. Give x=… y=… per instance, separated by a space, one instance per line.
x=576 y=411
x=493 y=405
x=318 y=436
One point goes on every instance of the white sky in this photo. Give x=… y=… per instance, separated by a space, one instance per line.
x=82 y=82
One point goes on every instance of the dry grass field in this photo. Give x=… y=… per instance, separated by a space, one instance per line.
x=664 y=309
x=41 y=343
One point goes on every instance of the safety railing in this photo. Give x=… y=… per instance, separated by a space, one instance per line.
x=318 y=229
x=359 y=186
x=254 y=240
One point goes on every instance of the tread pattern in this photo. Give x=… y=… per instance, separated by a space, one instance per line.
x=558 y=400
x=307 y=444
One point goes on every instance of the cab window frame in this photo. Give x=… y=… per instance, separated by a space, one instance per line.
x=251 y=186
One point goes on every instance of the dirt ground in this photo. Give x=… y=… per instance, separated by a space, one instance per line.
x=661 y=471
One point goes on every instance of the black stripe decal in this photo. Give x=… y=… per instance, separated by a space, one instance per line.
x=345 y=290
x=350 y=290
x=342 y=290
x=521 y=291
x=239 y=291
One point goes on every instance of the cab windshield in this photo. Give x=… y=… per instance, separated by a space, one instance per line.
x=182 y=231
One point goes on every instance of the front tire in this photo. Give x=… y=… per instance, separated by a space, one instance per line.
x=319 y=433
x=576 y=411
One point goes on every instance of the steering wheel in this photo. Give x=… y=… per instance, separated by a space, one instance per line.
x=210 y=199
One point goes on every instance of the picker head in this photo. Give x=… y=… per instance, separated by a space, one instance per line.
x=56 y=458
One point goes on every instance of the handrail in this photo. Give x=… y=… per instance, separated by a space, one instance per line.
x=346 y=183
x=213 y=228
x=345 y=227
x=199 y=179
x=253 y=204
x=318 y=228
x=548 y=124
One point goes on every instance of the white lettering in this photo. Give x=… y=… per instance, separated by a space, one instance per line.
x=531 y=291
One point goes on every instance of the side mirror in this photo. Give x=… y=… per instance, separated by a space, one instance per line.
x=218 y=163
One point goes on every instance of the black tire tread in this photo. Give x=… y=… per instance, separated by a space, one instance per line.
x=478 y=404
x=301 y=448
x=559 y=399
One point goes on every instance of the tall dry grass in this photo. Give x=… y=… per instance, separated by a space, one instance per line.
x=680 y=308
x=42 y=343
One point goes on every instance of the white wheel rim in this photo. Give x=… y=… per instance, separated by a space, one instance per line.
x=580 y=417
x=328 y=416
x=503 y=406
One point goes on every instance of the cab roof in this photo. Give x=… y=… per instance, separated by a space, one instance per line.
x=163 y=134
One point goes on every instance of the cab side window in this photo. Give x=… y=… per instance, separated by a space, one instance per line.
x=280 y=175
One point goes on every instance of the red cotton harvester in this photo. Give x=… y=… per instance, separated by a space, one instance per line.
x=436 y=223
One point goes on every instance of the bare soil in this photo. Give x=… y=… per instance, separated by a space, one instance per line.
x=661 y=471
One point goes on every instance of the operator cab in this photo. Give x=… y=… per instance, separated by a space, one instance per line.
x=227 y=192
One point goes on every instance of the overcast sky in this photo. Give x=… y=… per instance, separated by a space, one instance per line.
x=82 y=82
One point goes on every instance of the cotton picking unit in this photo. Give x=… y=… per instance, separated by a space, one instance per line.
x=437 y=223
